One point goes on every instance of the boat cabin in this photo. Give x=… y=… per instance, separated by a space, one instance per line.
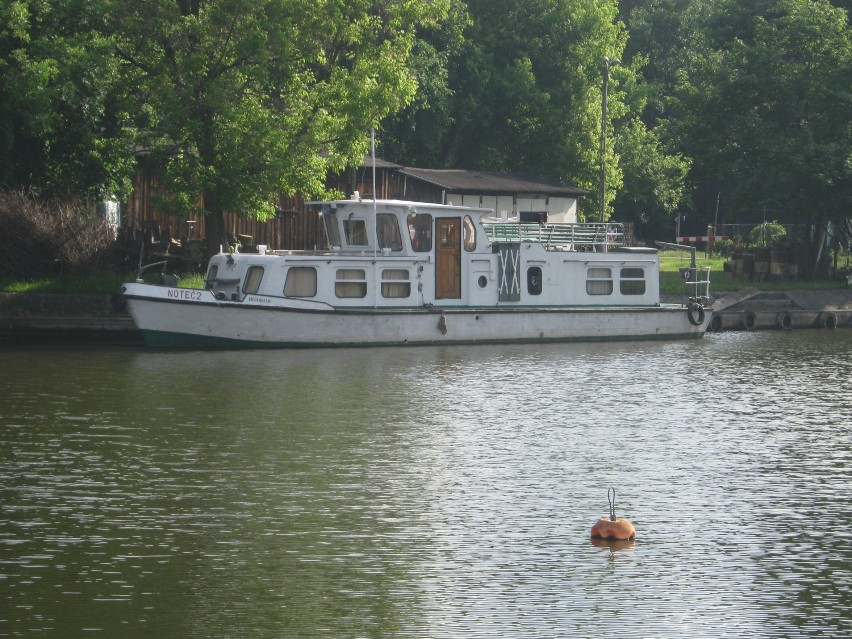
x=393 y=254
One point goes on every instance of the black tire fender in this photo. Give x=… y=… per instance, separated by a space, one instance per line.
x=827 y=320
x=695 y=313
x=716 y=323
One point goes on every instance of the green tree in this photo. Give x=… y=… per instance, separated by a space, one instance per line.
x=524 y=92
x=238 y=101
x=655 y=181
x=767 y=108
x=414 y=136
x=61 y=123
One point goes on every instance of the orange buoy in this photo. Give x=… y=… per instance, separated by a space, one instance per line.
x=612 y=527
x=620 y=529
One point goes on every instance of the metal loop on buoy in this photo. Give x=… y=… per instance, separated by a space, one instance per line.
x=613 y=528
x=610 y=495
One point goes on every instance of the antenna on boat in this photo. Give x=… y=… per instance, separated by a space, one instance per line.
x=373 y=154
x=375 y=211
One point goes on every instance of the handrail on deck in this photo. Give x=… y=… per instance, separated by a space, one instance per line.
x=695 y=276
x=581 y=236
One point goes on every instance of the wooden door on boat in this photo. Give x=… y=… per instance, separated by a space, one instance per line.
x=448 y=258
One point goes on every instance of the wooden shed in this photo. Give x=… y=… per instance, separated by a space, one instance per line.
x=295 y=227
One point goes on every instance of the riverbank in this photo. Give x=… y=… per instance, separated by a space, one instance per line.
x=57 y=317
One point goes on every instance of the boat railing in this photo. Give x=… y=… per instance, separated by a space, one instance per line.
x=697 y=284
x=696 y=278
x=581 y=236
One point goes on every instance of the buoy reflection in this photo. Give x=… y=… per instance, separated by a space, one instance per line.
x=613 y=544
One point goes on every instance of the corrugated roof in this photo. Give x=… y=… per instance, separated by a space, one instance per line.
x=461 y=181
x=380 y=163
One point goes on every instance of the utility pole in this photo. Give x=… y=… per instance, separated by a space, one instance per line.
x=602 y=179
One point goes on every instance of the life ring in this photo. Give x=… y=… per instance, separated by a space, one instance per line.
x=827 y=320
x=749 y=321
x=785 y=321
x=716 y=323
x=695 y=312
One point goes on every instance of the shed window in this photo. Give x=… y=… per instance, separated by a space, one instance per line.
x=599 y=281
x=252 y=281
x=301 y=282
x=351 y=282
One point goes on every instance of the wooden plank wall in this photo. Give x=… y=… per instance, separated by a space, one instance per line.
x=296 y=227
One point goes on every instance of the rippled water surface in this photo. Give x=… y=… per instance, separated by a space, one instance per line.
x=430 y=492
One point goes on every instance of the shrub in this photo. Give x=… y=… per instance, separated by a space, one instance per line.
x=725 y=248
x=43 y=238
x=767 y=234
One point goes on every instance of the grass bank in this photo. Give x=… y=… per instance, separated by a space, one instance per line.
x=722 y=282
x=96 y=283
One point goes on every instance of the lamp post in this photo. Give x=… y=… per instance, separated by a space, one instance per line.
x=602 y=180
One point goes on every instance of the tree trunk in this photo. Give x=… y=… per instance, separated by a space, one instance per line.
x=216 y=234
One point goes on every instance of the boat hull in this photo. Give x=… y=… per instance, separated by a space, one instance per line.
x=175 y=318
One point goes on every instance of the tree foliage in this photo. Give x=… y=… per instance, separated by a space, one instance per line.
x=237 y=101
x=655 y=181
x=234 y=101
x=61 y=123
x=524 y=92
x=761 y=101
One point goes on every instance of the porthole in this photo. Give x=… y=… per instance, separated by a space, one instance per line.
x=483 y=281
x=534 y=280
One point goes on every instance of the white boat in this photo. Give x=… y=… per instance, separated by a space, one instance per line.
x=411 y=273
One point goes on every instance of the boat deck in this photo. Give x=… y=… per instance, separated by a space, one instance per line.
x=591 y=236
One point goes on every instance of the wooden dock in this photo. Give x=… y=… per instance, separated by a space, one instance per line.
x=751 y=309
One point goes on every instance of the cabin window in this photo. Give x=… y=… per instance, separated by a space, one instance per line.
x=387 y=231
x=356 y=232
x=632 y=281
x=447 y=239
x=599 y=281
x=211 y=277
x=301 y=282
x=252 y=281
x=534 y=280
x=331 y=229
x=351 y=282
x=420 y=231
x=395 y=283
x=469 y=234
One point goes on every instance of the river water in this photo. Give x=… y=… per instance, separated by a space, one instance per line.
x=429 y=492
